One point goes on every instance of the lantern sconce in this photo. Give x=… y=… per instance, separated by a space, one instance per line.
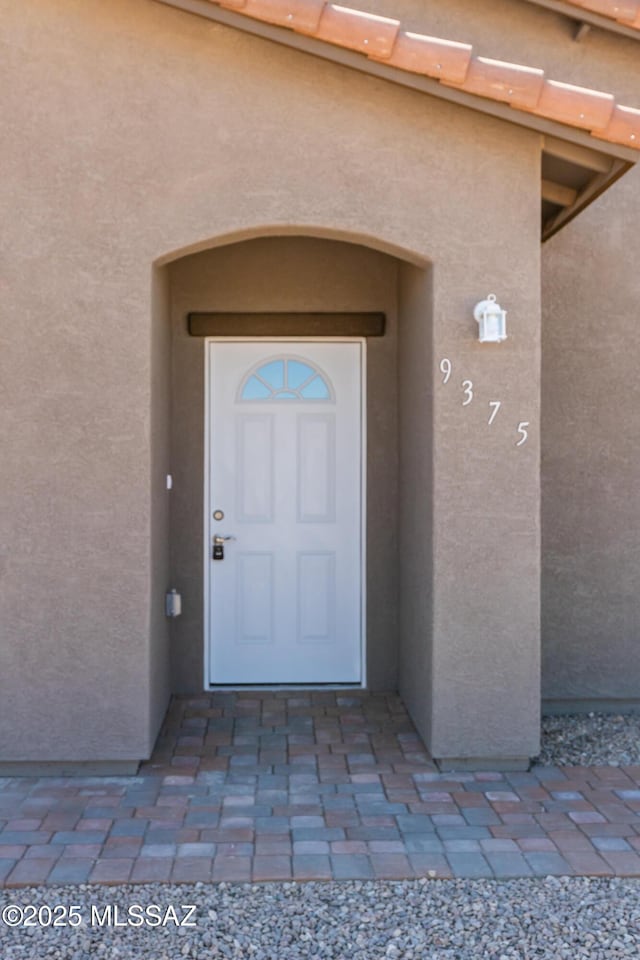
x=492 y=320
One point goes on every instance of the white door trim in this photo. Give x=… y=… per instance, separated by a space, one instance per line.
x=207 y=528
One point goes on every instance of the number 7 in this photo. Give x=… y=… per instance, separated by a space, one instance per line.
x=496 y=404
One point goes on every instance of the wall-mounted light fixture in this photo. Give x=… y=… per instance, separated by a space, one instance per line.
x=492 y=320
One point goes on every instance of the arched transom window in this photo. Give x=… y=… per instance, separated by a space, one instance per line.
x=286 y=378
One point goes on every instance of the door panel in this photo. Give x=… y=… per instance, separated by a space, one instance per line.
x=316 y=455
x=255 y=467
x=316 y=583
x=285 y=470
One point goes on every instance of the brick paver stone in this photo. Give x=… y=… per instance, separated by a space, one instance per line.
x=625 y=864
x=391 y=866
x=311 y=867
x=15 y=851
x=232 y=868
x=152 y=869
x=351 y=866
x=586 y=863
x=430 y=865
x=272 y=867
x=6 y=866
x=610 y=843
x=548 y=864
x=192 y=870
x=191 y=850
x=71 y=871
x=112 y=871
x=27 y=872
x=508 y=865
x=469 y=865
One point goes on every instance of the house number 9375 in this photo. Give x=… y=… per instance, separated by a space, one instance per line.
x=446 y=369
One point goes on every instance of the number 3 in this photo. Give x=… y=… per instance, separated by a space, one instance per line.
x=524 y=433
x=467 y=386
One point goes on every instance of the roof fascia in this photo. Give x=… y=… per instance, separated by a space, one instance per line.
x=582 y=15
x=361 y=63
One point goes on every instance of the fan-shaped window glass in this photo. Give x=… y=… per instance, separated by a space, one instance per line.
x=286 y=378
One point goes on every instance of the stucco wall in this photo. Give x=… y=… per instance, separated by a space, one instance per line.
x=590 y=454
x=285 y=274
x=486 y=556
x=591 y=459
x=590 y=388
x=415 y=423
x=137 y=134
x=160 y=684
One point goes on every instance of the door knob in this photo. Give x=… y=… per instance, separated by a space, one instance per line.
x=218 y=539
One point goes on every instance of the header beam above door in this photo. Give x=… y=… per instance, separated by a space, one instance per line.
x=286 y=324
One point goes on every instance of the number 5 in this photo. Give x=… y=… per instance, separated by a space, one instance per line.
x=524 y=433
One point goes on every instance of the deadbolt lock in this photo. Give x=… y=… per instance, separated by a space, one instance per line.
x=218 y=546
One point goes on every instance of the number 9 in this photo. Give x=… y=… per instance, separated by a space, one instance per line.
x=445 y=367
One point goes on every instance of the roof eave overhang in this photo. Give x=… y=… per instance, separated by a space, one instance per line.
x=582 y=15
x=607 y=160
x=600 y=180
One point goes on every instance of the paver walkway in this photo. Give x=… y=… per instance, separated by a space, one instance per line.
x=312 y=785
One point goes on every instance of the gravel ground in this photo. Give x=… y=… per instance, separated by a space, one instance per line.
x=552 y=918
x=588 y=739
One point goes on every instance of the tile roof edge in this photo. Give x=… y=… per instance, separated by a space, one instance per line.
x=626 y=13
x=452 y=63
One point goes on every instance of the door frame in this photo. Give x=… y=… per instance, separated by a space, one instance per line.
x=207 y=524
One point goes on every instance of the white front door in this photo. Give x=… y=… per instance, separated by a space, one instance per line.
x=285 y=480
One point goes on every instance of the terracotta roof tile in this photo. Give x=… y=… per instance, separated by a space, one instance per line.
x=616 y=9
x=357 y=30
x=624 y=127
x=432 y=57
x=522 y=87
x=624 y=11
x=300 y=15
x=577 y=106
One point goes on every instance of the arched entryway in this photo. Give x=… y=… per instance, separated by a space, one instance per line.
x=303 y=275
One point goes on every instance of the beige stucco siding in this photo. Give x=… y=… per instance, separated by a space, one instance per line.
x=137 y=134
x=591 y=465
x=590 y=395
x=486 y=500
x=158 y=653
x=416 y=507
x=591 y=288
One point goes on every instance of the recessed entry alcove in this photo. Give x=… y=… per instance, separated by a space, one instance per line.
x=302 y=276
